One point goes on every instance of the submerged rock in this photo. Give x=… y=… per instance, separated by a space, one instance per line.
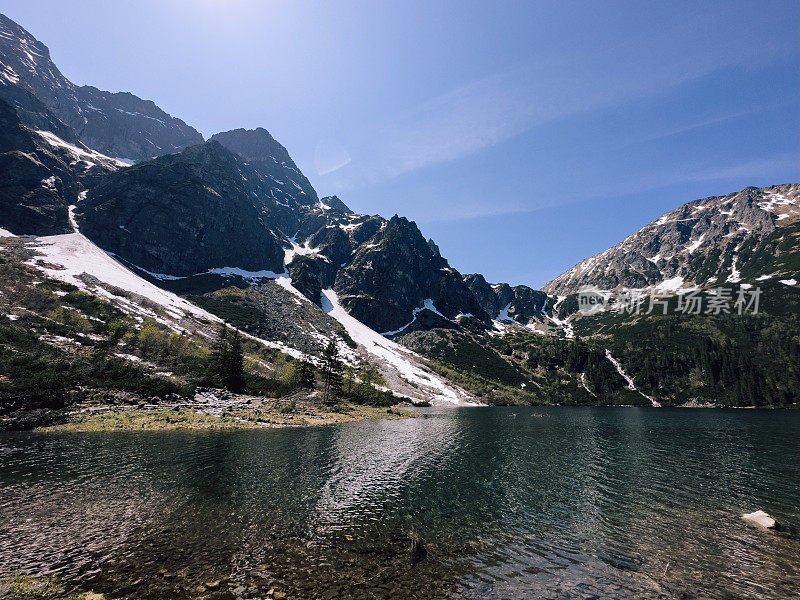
x=417 y=550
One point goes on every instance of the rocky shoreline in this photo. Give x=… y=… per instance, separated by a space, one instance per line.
x=208 y=409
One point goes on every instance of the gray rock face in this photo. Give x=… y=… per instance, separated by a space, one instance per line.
x=701 y=242
x=33 y=113
x=39 y=180
x=308 y=276
x=484 y=292
x=116 y=124
x=334 y=244
x=395 y=273
x=502 y=301
x=184 y=214
x=125 y=126
x=271 y=160
x=34 y=185
x=527 y=304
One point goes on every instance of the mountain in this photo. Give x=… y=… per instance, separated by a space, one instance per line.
x=271 y=160
x=397 y=278
x=41 y=175
x=503 y=302
x=384 y=271
x=175 y=217
x=207 y=208
x=115 y=124
x=747 y=242
x=178 y=214
x=230 y=230
x=35 y=184
x=715 y=240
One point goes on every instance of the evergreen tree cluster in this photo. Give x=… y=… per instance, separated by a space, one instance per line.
x=227 y=361
x=743 y=361
x=307 y=379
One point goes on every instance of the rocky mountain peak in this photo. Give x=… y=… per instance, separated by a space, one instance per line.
x=395 y=279
x=119 y=125
x=333 y=203
x=269 y=158
x=701 y=242
x=254 y=145
x=503 y=302
x=400 y=232
x=184 y=214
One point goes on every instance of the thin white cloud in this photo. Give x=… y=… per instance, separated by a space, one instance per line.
x=755 y=169
x=493 y=109
x=754 y=172
x=330 y=156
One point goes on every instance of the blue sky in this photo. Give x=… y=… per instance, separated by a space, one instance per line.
x=521 y=136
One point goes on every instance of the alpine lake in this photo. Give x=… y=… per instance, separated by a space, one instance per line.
x=496 y=503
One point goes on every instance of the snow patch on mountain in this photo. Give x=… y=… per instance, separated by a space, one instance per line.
x=585 y=385
x=670 y=285
x=402 y=359
x=9 y=75
x=503 y=316
x=72 y=255
x=90 y=157
x=298 y=249
x=426 y=304
x=693 y=246
x=350 y=227
x=626 y=377
x=564 y=324
x=735 y=276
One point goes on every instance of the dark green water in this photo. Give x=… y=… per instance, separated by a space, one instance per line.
x=551 y=503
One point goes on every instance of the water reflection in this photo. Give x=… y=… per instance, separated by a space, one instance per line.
x=551 y=503
x=375 y=468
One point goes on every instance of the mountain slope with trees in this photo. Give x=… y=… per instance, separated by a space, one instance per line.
x=233 y=226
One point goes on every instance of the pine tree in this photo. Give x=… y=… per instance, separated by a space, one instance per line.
x=367 y=375
x=336 y=381
x=219 y=354
x=234 y=371
x=332 y=372
x=308 y=380
x=350 y=374
x=227 y=360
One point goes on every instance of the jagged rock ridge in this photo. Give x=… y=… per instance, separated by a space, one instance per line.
x=503 y=302
x=271 y=160
x=396 y=273
x=120 y=124
x=41 y=176
x=705 y=242
x=178 y=215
